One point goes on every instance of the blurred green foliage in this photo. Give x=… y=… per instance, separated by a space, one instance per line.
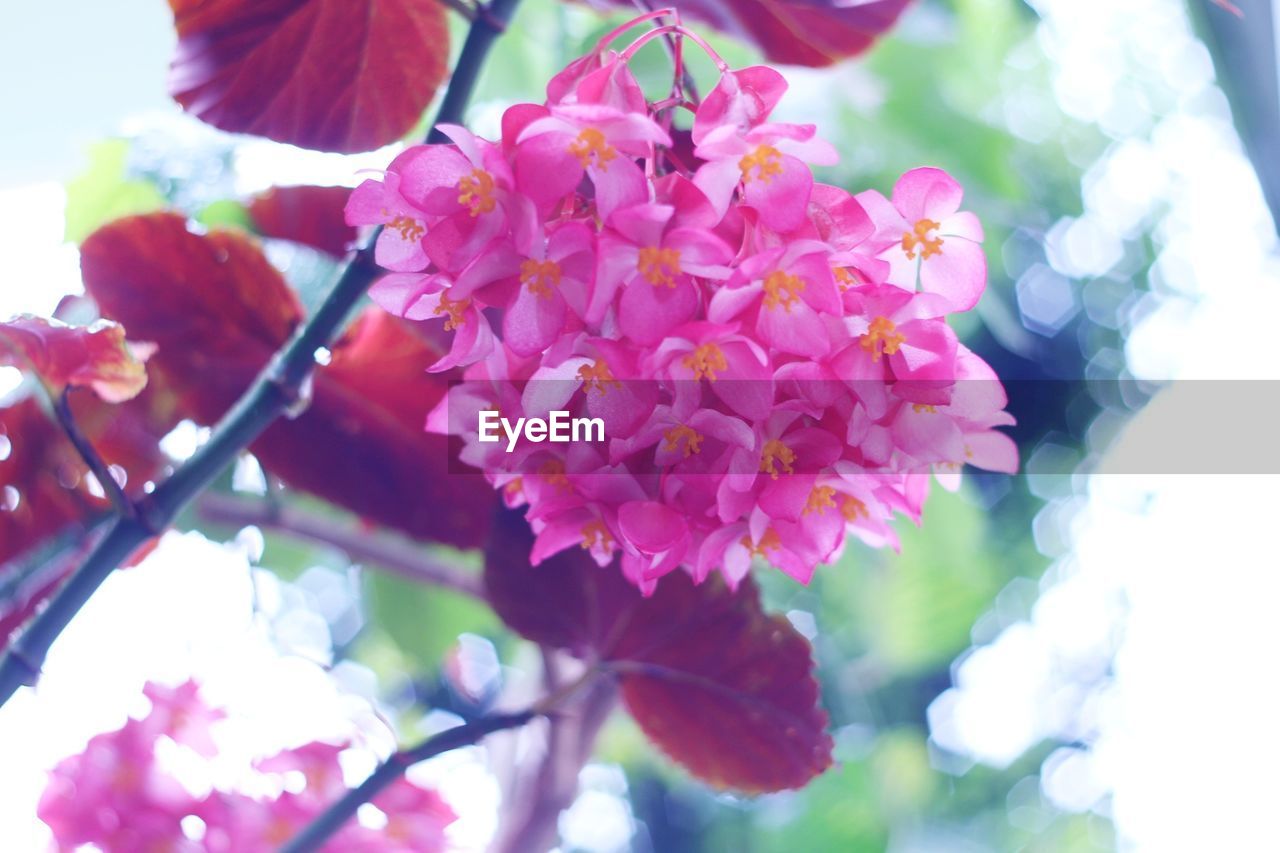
x=104 y=191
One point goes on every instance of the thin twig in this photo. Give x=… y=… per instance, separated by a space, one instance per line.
x=279 y=388
x=381 y=550
x=89 y=454
x=323 y=828
x=463 y=8
x=685 y=85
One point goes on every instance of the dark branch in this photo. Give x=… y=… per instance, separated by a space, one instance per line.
x=95 y=463
x=278 y=389
x=328 y=823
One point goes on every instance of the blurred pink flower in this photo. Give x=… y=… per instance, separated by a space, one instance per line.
x=115 y=796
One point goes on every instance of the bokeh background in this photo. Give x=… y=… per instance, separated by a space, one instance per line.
x=1058 y=661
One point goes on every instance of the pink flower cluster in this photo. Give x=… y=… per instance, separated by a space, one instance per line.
x=115 y=795
x=770 y=355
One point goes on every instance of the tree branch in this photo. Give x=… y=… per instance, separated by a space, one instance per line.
x=395 y=555
x=89 y=455
x=328 y=823
x=277 y=389
x=530 y=824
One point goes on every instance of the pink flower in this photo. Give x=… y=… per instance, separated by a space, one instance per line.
x=427 y=297
x=652 y=266
x=786 y=294
x=598 y=137
x=178 y=713
x=116 y=797
x=770 y=357
x=926 y=238
x=770 y=162
x=742 y=99
x=555 y=286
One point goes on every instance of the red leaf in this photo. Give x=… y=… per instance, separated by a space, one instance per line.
x=64 y=356
x=45 y=499
x=213 y=304
x=218 y=311
x=554 y=604
x=312 y=216
x=795 y=32
x=40 y=479
x=723 y=688
x=361 y=442
x=42 y=494
x=337 y=75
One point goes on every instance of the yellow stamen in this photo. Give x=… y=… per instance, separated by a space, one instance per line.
x=597 y=375
x=553 y=472
x=782 y=289
x=705 y=361
x=919 y=236
x=453 y=310
x=591 y=148
x=596 y=534
x=540 y=276
x=659 y=266
x=765 y=160
x=924 y=407
x=410 y=229
x=882 y=338
x=846 y=278
x=514 y=487
x=819 y=499
x=853 y=509
x=692 y=439
x=776 y=452
x=770 y=541
x=475 y=192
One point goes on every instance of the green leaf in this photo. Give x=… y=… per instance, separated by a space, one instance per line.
x=103 y=191
x=225 y=213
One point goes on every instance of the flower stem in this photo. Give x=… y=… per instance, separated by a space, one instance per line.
x=331 y=820
x=281 y=387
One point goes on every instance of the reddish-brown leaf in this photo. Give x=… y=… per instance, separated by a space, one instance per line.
x=42 y=494
x=217 y=311
x=337 y=75
x=40 y=478
x=794 y=32
x=312 y=216
x=723 y=688
x=213 y=304
x=46 y=502
x=556 y=603
x=361 y=442
x=63 y=356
